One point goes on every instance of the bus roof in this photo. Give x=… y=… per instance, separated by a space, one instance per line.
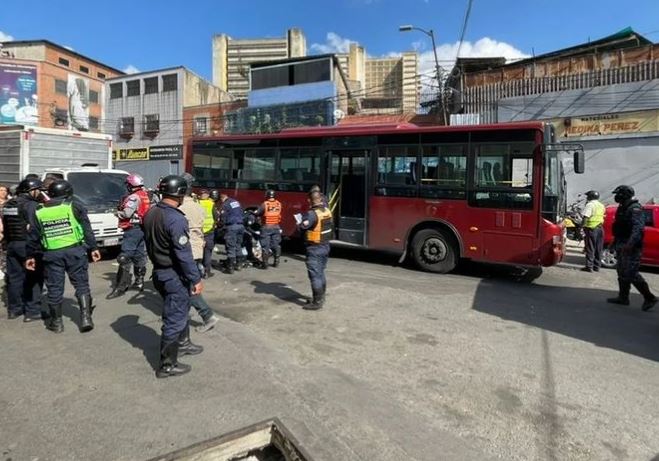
x=372 y=129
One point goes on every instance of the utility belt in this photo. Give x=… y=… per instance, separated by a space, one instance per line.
x=75 y=245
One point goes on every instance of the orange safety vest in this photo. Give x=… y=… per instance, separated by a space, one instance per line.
x=272 y=212
x=322 y=231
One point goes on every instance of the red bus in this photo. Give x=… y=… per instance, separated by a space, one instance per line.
x=491 y=193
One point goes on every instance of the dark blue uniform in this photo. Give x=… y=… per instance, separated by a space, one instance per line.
x=317 y=255
x=23 y=286
x=174 y=269
x=72 y=260
x=232 y=218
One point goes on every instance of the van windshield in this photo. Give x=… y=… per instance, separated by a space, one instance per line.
x=99 y=192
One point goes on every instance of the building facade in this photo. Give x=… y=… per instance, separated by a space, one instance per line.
x=387 y=85
x=602 y=94
x=44 y=84
x=145 y=116
x=232 y=58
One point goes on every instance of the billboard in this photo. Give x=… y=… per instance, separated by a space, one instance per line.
x=18 y=94
x=77 y=90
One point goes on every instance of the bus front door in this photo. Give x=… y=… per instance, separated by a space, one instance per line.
x=347 y=194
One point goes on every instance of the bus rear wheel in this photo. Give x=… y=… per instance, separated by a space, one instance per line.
x=434 y=251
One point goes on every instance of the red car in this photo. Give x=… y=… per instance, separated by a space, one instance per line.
x=650 y=255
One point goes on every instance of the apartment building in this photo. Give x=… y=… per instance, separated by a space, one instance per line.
x=45 y=84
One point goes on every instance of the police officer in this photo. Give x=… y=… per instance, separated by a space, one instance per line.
x=317 y=224
x=208 y=229
x=131 y=212
x=23 y=287
x=175 y=274
x=63 y=234
x=628 y=229
x=270 y=213
x=231 y=217
x=593 y=214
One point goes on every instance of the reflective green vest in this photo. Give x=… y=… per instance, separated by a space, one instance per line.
x=209 y=222
x=597 y=217
x=59 y=227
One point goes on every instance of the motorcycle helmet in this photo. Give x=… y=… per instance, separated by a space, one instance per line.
x=173 y=186
x=623 y=193
x=28 y=185
x=215 y=195
x=134 y=180
x=60 y=188
x=270 y=194
x=592 y=195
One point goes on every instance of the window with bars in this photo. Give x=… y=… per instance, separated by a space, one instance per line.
x=93 y=123
x=170 y=82
x=116 y=90
x=60 y=86
x=200 y=125
x=127 y=126
x=133 y=88
x=93 y=97
x=151 y=124
x=151 y=85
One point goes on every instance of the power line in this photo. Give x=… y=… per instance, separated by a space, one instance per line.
x=464 y=28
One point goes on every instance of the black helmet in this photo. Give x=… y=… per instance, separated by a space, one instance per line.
x=623 y=193
x=592 y=195
x=173 y=186
x=189 y=180
x=215 y=195
x=269 y=193
x=60 y=188
x=29 y=184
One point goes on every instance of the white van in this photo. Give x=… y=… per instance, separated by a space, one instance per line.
x=100 y=190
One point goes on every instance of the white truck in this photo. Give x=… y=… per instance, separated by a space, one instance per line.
x=83 y=159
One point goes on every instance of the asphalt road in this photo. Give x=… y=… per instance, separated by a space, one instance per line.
x=399 y=365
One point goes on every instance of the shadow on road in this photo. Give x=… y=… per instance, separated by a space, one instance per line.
x=140 y=337
x=581 y=313
x=280 y=291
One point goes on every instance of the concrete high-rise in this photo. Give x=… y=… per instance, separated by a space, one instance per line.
x=232 y=57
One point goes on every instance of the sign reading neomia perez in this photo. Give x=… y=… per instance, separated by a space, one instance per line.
x=148 y=153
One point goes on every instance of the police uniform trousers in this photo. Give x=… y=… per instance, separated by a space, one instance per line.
x=176 y=297
x=316 y=262
x=233 y=239
x=629 y=265
x=209 y=243
x=23 y=286
x=271 y=240
x=58 y=263
x=594 y=245
x=133 y=246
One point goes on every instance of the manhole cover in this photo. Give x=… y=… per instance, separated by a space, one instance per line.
x=265 y=441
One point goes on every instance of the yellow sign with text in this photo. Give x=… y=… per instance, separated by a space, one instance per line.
x=607 y=124
x=124 y=155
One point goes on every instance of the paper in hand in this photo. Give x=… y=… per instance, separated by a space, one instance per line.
x=298 y=218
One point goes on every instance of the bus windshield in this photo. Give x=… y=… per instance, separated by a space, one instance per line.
x=99 y=192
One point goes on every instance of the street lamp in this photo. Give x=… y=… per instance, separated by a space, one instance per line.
x=431 y=34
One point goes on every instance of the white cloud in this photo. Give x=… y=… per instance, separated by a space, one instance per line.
x=131 y=69
x=70 y=48
x=483 y=48
x=334 y=44
x=5 y=37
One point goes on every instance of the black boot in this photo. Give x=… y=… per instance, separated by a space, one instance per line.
x=140 y=272
x=316 y=302
x=54 y=322
x=229 y=265
x=649 y=300
x=85 y=304
x=122 y=282
x=169 y=365
x=266 y=257
x=185 y=346
x=275 y=263
x=623 y=293
x=238 y=265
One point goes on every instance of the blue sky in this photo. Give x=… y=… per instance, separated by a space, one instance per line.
x=149 y=34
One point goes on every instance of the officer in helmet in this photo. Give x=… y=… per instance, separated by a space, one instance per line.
x=63 y=235
x=23 y=287
x=270 y=213
x=131 y=212
x=593 y=214
x=628 y=229
x=231 y=216
x=175 y=274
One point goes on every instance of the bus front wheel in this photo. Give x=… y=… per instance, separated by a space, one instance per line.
x=434 y=251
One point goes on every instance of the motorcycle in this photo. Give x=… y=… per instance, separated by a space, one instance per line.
x=573 y=221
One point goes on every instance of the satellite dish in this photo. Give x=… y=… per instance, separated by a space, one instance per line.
x=339 y=114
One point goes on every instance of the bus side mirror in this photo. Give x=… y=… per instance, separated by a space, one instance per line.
x=579 y=162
